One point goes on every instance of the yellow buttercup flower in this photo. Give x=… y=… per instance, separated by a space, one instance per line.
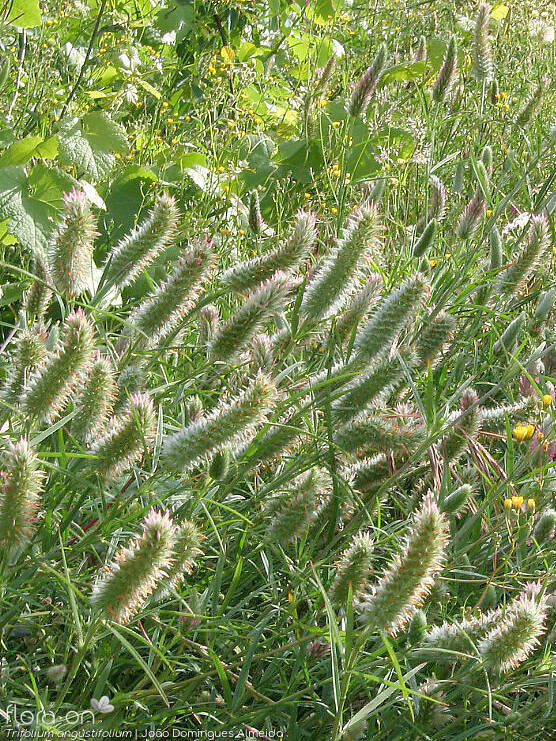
x=547 y=400
x=507 y=503
x=531 y=504
x=517 y=502
x=523 y=432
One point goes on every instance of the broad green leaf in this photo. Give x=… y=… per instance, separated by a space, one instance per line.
x=323 y=11
x=24 y=13
x=31 y=203
x=177 y=17
x=499 y=12
x=5 y=236
x=408 y=71
x=194 y=164
x=89 y=144
x=21 y=151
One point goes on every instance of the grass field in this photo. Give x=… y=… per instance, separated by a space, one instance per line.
x=277 y=367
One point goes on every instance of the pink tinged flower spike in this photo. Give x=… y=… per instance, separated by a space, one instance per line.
x=471 y=217
x=20 y=489
x=96 y=400
x=483 y=66
x=231 y=423
x=408 y=580
x=137 y=569
x=161 y=314
x=516 y=636
x=367 y=84
x=71 y=248
x=51 y=386
x=538 y=242
x=209 y=321
x=139 y=248
x=448 y=72
x=126 y=438
x=420 y=54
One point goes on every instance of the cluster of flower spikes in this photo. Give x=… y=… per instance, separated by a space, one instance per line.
x=387 y=344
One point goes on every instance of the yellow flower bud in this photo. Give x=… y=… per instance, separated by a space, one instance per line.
x=507 y=503
x=517 y=502
x=547 y=400
x=531 y=504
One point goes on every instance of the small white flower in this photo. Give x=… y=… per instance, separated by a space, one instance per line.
x=541 y=31
x=520 y=221
x=465 y=23
x=102 y=706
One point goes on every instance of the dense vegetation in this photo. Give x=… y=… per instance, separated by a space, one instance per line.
x=277 y=364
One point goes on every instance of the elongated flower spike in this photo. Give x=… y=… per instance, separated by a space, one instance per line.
x=261 y=355
x=389 y=319
x=426 y=239
x=408 y=580
x=533 y=104
x=517 y=635
x=448 y=640
x=454 y=443
x=256 y=221
x=447 y=73
x=434 y=335
x=231 y=423
x=262 y=304
x=186 y=548
x=358 y=305
x=545 y=529
x=325 y=76
x=368 y=473
x=30 y=353
x=483 y=65
x=71 y=249
x=125 y=439
x=249 y=274
x=367 y=84
x=536 y=246
x=136 y=570
x=353 y=569
x=39 y=294
x=337 y=274
x=438 y=198
x=20 y=489
x=95 y=401
x=49 y=389
x=377 y=383
x=371 y=433
x=209 y=321
x=510 y=335
x=471 y=216
x=496 y=251
x=137 y=250
x=493 y=419
x=160 y=314
x=291 y=512
x=420 y=54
